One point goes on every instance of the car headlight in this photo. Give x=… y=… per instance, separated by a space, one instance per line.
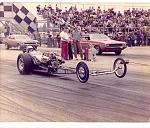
x=107 y=45
x=22 y=43
x=124 y=44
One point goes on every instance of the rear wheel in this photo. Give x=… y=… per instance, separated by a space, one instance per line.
x=24 y=63
x=120 y=67
x=118 y=52
x=82 y=72
x=98 y=50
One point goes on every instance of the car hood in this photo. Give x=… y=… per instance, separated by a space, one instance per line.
x=26 y=40
x=109 y=42
x=113 y=42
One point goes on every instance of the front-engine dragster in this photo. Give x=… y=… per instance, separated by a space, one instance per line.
x=50 y=62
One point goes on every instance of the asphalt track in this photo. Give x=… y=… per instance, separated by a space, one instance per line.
x=106 y=98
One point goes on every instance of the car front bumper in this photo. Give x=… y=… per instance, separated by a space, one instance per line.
x=22 y=46
x=112 y=49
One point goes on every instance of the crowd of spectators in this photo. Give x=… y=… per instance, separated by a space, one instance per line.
x=131 y=26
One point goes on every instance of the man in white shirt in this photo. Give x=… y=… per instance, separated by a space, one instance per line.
x=66 y=39
x=64 y=35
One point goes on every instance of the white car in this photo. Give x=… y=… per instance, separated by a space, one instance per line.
x=20 y=41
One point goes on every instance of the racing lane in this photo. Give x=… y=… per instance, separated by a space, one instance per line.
x=38 y=97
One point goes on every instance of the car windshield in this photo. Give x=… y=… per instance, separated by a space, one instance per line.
x=21 y=37
x=97 y=37
x=2 y=35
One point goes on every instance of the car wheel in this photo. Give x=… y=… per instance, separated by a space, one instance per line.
x=118 y=52
x=7 y=46
x=98 y=50
x=120 y=67
x=35 y=47
x=82 y=72
x=24 y=63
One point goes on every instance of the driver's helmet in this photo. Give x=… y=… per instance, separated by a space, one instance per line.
x=29 y=48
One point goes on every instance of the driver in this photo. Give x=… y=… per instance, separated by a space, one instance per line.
x=28 y=49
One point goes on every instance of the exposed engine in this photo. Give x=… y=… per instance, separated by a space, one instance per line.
x=45 y=60
x=51 y=61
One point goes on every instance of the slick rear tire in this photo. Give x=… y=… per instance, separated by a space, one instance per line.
x=24 y=63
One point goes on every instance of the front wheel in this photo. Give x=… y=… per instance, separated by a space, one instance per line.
x=24 y=63
x=98 y=50
x=120 y=66
x=82 y=72
x=118 y=52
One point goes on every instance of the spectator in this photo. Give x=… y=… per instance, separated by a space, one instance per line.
x=70 y=45
x=138 y=38
x=129 y=39
x=32 y=35
x=66 y=36
x=38 y=9
x=145 y=35
x=39 y=38
x=107 y=21
x=76 y=35
x=45 y=8
x=49 y=40
x=58 y=40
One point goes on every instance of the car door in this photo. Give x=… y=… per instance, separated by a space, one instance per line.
x=85 y=42
x=8 y=40
x=11 y=41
